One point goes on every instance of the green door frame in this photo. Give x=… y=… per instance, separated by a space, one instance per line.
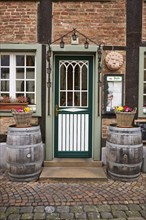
x=74 y=154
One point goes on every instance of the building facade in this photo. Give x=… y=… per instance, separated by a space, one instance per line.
x=75 y=61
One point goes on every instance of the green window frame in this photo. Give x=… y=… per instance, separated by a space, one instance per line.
x=35 y=49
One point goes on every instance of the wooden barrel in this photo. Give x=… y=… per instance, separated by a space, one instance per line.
x=25 y=153
x=124 y=151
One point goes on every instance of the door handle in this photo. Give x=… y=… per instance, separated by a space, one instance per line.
x=56 y=110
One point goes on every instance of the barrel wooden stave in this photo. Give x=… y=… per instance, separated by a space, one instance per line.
x=124 y=153
x=24 y=161
x=25 y=136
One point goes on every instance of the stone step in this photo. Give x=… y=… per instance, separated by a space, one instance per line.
x=73 y=173
x=72 y=162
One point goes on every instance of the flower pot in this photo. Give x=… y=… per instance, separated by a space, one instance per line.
x=125 y=119
x=22 y=119
x=10 y=106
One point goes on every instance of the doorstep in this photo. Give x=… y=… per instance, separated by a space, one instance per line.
x=76 y=168
x=86 y=173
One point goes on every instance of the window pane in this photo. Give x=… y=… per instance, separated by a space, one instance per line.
x=144 y=101
x=30 y=60
x=145 y=75
x=19 y=73
x=5 y=73
x=144 y=88
x=62 y=99
x=20 y=85
x=77 y=99
x=30 y=86
x=62 y=78
x=145 y=61
x=30 y=73
x=70 y=78
x=20 y=60
x=31 y=98
x=69 y=99
x=77 y=78
x=84 y=98
x=4 y=86
x=5 y=60
x=84 y=78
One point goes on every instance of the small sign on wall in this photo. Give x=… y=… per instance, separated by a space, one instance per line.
x=113 y=91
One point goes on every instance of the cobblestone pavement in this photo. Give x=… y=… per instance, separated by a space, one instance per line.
x=67 y=200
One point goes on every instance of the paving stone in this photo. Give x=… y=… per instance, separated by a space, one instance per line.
x=3 y=209
x=106 y=215
x=135 y=218
x=119 y=218
x=53 y=216
x=104 y=208
x=49 y=209
x=39 y=209
x=62 y=209
x=143 y=213
x=81 y=216
x=14 y=217
x=76 y=209
x=12 y=210
x=133 y=213
x=119 y=207
x=3 y=216
x=27 y=216
x=134 y=207
x=143 y=206
x=90 y=208
x=119 y=214
x=39 y=216
x=67 y=216
x=93 y=215
x=27 y=209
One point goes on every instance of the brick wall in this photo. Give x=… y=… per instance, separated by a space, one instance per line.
x=18 y=22
x=144 y=22
x=100 y=21
x=97 y=20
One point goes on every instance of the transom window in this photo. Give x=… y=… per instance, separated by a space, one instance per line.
x=18 y=75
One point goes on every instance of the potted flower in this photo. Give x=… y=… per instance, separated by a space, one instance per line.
x=124 y=116
x=8 y=103
x=22 y=117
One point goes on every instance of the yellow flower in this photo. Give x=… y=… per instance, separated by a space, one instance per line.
x=119 y=108
x=27 y=109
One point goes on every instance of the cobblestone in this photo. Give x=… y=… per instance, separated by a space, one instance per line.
x=68 y=200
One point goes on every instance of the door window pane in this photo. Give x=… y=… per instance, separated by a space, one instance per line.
x=84 y=78
x=77 y=98
x=84 y=98
x=70 y=78
x=62 y=78
x=69 y=99
x=62 y=99
x=77 y=78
